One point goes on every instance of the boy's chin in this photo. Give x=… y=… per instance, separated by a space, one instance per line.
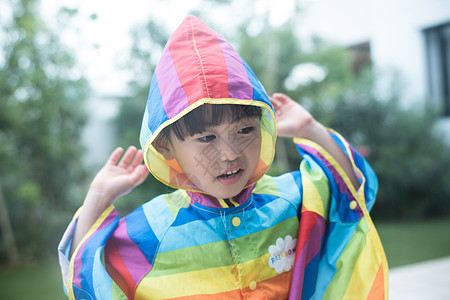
x=230 y=193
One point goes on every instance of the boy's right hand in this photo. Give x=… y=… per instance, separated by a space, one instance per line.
x=116 y=178
x=119 y=177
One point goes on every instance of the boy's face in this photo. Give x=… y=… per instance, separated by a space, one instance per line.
x=221 y=160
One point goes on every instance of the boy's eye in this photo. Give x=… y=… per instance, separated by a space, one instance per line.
x=247 y=130
x=206 y=138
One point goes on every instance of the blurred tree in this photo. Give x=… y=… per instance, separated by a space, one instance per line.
x=409 y=157
x=148 y=42
x=41 y=94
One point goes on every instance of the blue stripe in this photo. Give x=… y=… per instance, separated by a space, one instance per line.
x=81 y=294
x=140 y=232
x=268 y=212
x=337 y=237
x=259 y=93
x=102 y=282
x=290 y=187
x=97 y=241
x=155 y=109
x=158 y=216
x=310 y=279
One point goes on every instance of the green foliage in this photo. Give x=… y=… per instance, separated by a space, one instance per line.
x=410 y=159
x=148 y=42
x=41 y=94
x=272 y=54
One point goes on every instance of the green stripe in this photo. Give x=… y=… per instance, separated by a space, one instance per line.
x=218 y=254
x=117 y=293
x=266 y=185
x=346 y=262
x=175 y=201
x=320 y=181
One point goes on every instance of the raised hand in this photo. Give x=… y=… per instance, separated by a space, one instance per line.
x=295 y=121
x=292 y=119
x=119 y=177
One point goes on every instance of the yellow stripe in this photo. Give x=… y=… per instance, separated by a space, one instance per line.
x=222 y=202
x=312 y=201
x=234 y=202
x=365 y=269
x=209 y=281
x=267 y=145
x=92 y=230
x=362 y=201
x=332 y=161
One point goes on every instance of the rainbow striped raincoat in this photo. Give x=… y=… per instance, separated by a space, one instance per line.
x=306 y=234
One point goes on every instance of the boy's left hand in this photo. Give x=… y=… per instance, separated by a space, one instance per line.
x=292 y=119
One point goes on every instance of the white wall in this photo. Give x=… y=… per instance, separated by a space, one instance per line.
x=99 y=133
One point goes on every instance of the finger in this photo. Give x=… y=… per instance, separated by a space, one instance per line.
x=276 y=103
x=137 y=160
x=114 y=157
x=139 y=174
x=282 y=98
x=127 y=157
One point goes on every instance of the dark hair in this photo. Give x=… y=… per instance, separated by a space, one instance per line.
x=207 y=115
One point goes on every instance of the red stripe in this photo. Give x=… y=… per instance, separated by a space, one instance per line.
x=118 y=271
x=307 y=222
x=199 y=61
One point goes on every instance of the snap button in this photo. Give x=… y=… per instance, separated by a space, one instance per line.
x=352 y=204
x=252 y=285
x=236 y=221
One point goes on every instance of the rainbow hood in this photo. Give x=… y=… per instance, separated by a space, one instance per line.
x=199 y=66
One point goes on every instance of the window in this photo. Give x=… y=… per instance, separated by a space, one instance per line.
x=360 y=55
x=437 y=41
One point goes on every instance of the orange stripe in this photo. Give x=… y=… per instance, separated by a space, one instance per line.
x=377 y=289
x=274 y=288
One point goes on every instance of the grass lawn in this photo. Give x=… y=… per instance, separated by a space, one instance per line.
x=407 y=243
x=40 y=281
x=404 y=243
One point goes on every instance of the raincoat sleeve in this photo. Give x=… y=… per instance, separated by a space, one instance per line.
x=98 y=269
x=339 y=254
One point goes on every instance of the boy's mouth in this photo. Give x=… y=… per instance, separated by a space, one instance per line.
x=230 y=177
x=230 y=173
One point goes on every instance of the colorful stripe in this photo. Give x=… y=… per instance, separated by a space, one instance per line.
x=170 y=87
x=239 y=86
x=80 y=266
x=353 y=265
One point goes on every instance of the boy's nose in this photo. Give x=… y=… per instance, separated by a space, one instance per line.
x=229 y=151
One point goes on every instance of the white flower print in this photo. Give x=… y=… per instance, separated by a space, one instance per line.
x=282 y=254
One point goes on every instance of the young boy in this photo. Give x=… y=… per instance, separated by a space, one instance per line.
x=229 y=231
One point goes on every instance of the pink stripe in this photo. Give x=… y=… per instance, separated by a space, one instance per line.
x=132 y=256
x=240 y=86
x=310 y=249
x=343 y=188
x=172 y=93
x=78 y=262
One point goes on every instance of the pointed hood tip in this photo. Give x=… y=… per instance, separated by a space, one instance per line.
x=199 y=66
